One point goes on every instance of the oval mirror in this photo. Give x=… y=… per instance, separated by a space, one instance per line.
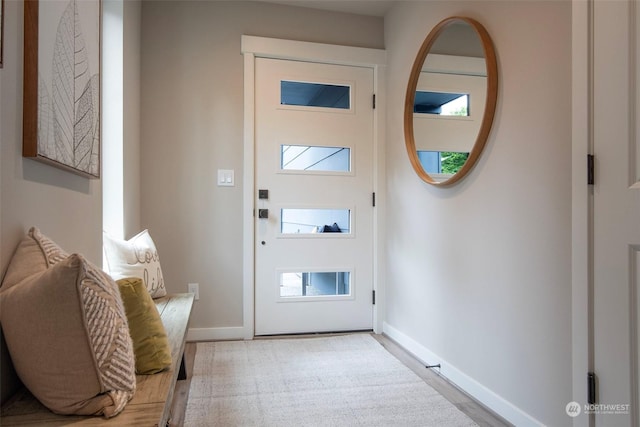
x=451 y=100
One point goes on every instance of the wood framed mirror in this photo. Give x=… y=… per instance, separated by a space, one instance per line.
x=451 y=100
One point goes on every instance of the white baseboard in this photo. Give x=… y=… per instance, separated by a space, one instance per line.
x=479 y=392
x=215 y=334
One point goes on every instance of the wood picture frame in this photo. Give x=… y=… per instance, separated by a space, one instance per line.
x=1 y=32
x=62 y=84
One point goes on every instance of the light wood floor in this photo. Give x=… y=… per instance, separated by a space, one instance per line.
x=483 y=416
x=474 y=410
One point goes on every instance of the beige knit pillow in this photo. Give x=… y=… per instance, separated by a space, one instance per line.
x=68 y=338
x=35 y=253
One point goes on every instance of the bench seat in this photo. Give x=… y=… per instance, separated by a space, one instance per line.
x=151 y=404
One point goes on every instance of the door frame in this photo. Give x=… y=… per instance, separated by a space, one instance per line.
x=581 y=204
x=582 y=217
x=253 y=47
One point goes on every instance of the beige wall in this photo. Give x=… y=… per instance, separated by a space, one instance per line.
x=192 y=122
x=131 y=120
x=479 y=274
x=66 y=207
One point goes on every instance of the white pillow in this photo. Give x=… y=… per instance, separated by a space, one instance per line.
x=136 y=257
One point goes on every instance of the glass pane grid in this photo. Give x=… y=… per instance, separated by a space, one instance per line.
x=315 y=221
x=315 y=95
x=315 y=284
x=315 y=158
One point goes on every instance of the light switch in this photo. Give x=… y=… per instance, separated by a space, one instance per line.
x=225 y=177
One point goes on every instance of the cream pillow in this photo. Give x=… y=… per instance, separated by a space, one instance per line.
x=68 y=337
x=136 y=257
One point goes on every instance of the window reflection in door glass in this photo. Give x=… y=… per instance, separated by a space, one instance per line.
x=317 y=283
x=315 y=94
x=311 y=221
x=314 y=158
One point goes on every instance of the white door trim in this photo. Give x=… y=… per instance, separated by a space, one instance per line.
x=252 y=47
x=582 y=201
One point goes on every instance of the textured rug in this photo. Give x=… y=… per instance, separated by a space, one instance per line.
x=347 y=380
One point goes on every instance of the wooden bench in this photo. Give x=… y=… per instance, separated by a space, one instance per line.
x=151 y=404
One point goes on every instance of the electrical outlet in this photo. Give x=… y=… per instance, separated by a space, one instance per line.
x=194 y=288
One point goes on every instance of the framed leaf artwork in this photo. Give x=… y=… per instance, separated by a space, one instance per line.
x=1 y=29
x=61 y=124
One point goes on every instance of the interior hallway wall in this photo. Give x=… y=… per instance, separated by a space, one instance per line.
x=66 y=207
x=192 y=125
x=131 y=112
x=479 y=274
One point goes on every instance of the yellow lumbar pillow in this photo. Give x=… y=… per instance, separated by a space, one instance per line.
x=150 y=342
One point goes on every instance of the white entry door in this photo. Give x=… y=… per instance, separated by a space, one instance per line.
x=616 y=196
x=314 y=211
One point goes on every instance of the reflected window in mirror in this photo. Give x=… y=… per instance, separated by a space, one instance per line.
x=442 y=162
x=441 y=103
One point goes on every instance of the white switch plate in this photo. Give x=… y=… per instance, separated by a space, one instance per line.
x=194 y=288
x=225 y=178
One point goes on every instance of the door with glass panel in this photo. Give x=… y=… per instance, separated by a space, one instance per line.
x=314 y=211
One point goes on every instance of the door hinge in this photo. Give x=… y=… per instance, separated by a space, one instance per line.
x=373 y=199
x=591 y=388
x=373 y=297
x=374 y=101
x=590 y=169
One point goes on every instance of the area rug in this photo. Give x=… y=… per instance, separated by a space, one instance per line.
x=346 y=380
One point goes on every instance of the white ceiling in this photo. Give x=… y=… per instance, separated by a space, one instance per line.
x=360 y=7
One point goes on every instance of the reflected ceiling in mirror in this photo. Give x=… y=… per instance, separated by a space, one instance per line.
x=450 y=100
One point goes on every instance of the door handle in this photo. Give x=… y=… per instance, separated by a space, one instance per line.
x=263 y=213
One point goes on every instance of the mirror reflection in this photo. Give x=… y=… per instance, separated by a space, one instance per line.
x=445 y=125
x=448 y=117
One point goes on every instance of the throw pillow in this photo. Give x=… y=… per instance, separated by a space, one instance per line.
x=150 y=342
x=136 y=257
x=67 y=334
x=35 y=253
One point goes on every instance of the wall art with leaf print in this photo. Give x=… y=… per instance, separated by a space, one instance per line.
x=1 y=30
x=62 y=84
